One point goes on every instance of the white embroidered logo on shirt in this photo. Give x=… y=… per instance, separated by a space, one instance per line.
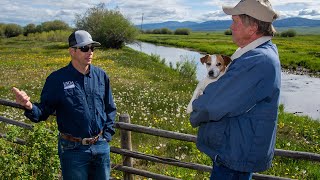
x=68 y=85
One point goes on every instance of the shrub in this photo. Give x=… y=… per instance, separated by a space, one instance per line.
x=2 y=26
x=289 y=33
x=228 y=32
x=165 y=31
x=12 y=30
x=187 y=67
x=30 y=28
x=54 y=25
x=148 y=31
x=156 y=31
x=156 y=58
x=37 y=159
x=110 y=27
x=182 y=31
x=52 y=36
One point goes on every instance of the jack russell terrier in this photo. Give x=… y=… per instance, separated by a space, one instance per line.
x=216 y=66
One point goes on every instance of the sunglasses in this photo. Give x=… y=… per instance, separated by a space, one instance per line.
x=85 y=48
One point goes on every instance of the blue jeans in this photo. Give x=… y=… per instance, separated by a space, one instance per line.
x=84 y=162
x=221 y=172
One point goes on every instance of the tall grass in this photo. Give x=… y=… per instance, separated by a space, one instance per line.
x=52 y=36
x=153 y=94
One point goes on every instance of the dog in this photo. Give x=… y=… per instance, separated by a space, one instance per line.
x=216 y=66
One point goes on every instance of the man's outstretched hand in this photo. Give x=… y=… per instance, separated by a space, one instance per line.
x=22 y=98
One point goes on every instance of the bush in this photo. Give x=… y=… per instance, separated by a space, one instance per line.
x=53 y=26
x=165 y=31
x=109 y=27
x=38 y=159
x=30 y=28
x=148 y=31
x=186 y=67
x=2 y=26
x=156 y=31
x=289 y=33
x=182 y=31
x=228 y=32
x=53 y=36
x=12 y=30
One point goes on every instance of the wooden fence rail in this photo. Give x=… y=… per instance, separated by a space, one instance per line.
x=192 y=138
x=127 y=153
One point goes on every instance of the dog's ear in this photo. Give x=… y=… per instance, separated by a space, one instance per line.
x=226 y=59
x=205 y=59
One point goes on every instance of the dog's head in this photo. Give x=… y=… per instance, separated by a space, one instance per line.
x=215 y=64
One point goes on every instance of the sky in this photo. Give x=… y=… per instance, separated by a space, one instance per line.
x=24 y=12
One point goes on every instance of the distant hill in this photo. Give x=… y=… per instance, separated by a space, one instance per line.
x=295 y=22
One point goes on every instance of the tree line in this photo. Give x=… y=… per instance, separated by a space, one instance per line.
x=14 y=30
x=109 y=27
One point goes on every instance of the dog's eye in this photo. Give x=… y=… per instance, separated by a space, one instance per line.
x=218 y=64
x=209 y=64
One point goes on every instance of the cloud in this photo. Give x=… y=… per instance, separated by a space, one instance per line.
x=310 y=12
x=24 y=12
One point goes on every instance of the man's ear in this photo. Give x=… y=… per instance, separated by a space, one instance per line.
x=253 y=29
x=71 y=51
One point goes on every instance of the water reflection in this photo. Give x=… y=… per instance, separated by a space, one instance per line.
x=299 y=94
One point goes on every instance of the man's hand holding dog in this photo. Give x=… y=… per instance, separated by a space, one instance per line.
x=22 y=98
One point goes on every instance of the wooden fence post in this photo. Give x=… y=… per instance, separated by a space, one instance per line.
x=126 y=144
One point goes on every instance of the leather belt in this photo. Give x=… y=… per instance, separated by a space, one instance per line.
x=84 y=141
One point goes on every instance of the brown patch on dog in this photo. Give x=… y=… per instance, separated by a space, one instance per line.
x=205 y=59
x=224 y=60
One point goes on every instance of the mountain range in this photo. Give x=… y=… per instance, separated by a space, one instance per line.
x=295 y=22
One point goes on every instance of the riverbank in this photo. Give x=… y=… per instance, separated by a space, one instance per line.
x=301 y=71
x=295 y=89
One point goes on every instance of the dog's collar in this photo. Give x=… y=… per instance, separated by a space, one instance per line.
x=240 y=51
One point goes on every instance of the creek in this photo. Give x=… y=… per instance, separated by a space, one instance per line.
x=300 y=94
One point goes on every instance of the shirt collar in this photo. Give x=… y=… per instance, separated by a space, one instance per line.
x=75 y=72
x=240 y=51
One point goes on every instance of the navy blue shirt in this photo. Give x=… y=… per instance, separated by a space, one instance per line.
x=83 y=104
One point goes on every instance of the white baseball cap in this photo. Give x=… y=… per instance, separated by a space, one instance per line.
x=81 y=38
x=258 y=9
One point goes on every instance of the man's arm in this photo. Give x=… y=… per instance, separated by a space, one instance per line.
x=110 y=110
x=38 y=111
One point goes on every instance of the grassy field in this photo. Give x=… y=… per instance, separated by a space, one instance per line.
x=296 y=52
x=151 y=93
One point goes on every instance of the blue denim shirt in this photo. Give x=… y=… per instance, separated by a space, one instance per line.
x=83 y=104
x=237 y=115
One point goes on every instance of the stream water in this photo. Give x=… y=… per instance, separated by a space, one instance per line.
x=300 y=94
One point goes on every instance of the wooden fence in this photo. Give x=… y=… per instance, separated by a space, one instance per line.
x=127 y=153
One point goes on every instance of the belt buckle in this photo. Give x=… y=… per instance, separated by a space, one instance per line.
x=85 y=141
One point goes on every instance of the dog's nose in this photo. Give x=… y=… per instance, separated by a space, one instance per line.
x=211 y=73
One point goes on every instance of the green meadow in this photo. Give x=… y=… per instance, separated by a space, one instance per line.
x=153 y=94
x=296 y=53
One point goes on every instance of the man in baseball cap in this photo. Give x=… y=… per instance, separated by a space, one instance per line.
x=80 y=95
x=237 y=115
